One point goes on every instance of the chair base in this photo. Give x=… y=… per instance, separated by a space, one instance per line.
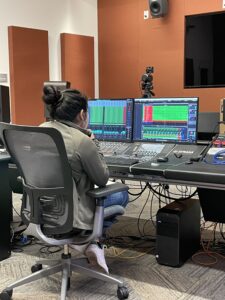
x=66 y=265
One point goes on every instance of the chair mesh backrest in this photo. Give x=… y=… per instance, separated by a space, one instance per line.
x=38 y=157
x=41 y=158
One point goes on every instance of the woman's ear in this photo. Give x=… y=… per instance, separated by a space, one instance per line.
x=82 y=119
x=83 y=115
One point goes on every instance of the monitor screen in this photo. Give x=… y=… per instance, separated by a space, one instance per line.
x=166 y=120
x=204 y=50
x=111 y=119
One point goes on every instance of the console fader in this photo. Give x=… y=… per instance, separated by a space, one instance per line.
x=144 y=151
x=138 y=151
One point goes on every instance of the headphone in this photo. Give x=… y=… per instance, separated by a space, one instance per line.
x=217 y=159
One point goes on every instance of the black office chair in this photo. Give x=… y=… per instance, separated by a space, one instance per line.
x=49 y=190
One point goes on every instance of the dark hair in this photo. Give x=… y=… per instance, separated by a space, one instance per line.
x=64 y=105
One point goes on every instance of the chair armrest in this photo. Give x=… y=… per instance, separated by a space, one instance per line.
x=107 y=190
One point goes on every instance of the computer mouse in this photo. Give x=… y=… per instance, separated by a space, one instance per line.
x=162 y=159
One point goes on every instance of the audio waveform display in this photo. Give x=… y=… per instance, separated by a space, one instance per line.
x=96 y=115
x=111 y=119
x=147 y=113
x=110 y=133
x=157 y=133
x=165 y=119
x=171 y=113
x=165 y=113
x=115 y=115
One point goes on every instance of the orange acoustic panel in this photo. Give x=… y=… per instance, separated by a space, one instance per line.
x=77 y=58
x=29 y=68
x=198 y=6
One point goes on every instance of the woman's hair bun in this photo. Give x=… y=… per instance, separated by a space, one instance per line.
x=51 y=95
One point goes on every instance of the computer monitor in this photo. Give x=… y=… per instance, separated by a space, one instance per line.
x=111 y=119
x=166 y=120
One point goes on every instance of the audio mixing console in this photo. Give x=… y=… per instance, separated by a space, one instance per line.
x=170 y=156
x=113 y=148
x=197 y=172
x=133 y=152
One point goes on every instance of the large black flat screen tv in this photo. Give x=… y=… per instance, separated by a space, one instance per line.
x=204 y=64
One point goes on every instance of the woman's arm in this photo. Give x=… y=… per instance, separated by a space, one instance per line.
x=93 y=162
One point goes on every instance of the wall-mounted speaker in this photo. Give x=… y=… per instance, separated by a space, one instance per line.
x=158 y=8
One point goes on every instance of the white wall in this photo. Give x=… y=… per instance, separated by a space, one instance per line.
x=55 y=16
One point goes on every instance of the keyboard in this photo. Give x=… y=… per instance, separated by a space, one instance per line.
x=114 y=160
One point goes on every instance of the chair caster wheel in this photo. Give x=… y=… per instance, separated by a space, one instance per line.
x=122 y=293
x=36 y=267
x=6 y=295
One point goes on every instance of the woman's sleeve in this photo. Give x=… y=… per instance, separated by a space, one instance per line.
x=93 y=162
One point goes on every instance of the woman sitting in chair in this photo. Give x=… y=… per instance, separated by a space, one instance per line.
x=69 y=114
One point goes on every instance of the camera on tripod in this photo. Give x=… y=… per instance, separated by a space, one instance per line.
x=147 y=83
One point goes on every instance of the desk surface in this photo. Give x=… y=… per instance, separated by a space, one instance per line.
x=197 y=174
x=162 y=179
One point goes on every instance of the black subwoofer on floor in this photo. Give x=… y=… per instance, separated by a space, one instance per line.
x=178 y=232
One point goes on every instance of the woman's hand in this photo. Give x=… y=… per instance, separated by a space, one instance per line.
x=91 y=134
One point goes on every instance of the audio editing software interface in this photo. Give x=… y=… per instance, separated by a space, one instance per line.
x=166 y=120
x=111 y=119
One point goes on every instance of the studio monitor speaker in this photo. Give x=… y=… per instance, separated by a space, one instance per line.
x=158 y=8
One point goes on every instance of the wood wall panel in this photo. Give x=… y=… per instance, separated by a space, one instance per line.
x=77 y=59
x=197 y=7
x=128 y=44
x=29 y=68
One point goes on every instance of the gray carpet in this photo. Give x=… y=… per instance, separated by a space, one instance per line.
x=132 y=260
